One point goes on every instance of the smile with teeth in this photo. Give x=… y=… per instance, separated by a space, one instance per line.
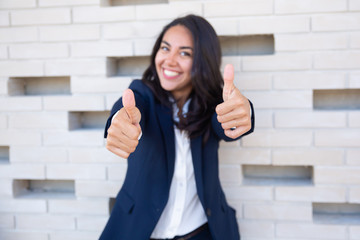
x=170 y=73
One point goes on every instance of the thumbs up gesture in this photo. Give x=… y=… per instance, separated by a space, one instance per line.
x=234 y=112
x=125 y=130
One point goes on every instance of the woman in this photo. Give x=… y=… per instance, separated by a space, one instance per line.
x=169 y=126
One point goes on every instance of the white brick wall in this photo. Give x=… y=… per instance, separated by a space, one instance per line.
x=316 y=47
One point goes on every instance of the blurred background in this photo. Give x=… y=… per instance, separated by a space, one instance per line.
x=64 y=63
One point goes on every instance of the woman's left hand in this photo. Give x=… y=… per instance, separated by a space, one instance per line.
x=234 y=113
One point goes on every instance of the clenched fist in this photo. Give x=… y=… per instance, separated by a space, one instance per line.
x=124 y=131
x=234 y=112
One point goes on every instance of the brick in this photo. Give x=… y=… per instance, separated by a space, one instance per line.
x=308 y=6
x=13 y=4
x=75 y=171
x=308 y=42
x=244 y=156
x=250 y=229
x=75 y=67
x=274 y=24
x=74 y=103
x=264 y=119
x=280 y=99
x=230 y=174
x=20 y=104
x=278 y=62
x=19 y=69
x=336 y=175
x=354 y=195
x=305 y=230
x=7 y=221
x=354 y=119
x=337 y=138
x=45 y=222
x=55 y=3
x=354 y=231
x=354 y=81
x=6 y=190
x=355 y=40
x=90 y=223
x=98 y=14
x=308 y=157
x=100 y=84
x=41 y=16
x=251 y=81
x=335 y=22
x=22 y=206
x=3 y=121
x=19 y=34
x=309 y=80
x=279 y=211
x=310 y=119
x=240 y=8
x=110 y=100
x=3 y=52
x=117 y=171
x=353 y=157
x=69 y=33
x=94 y=155
x=74 y=138
x=38 y=155
x=74 y=235
x=4 y=18
x=95 y=206
x=131 y=30
x=39 y=120
x=97 y=188
x=234 y=60
x=224 y=27
x=102 y=49
x=21 y=137
x=143 y=47
x=28 y=235
x=354 y=5
x=279 y=138
x=31 y=51
x=248 y=193
x=167 y=11
x=311 y=194
x=20 y=171
x=337 y=60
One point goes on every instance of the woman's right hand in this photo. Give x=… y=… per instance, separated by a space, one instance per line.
x=124 y=131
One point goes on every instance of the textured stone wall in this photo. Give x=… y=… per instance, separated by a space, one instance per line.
x=64 y=63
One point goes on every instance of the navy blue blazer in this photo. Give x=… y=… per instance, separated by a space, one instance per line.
x=145 y=190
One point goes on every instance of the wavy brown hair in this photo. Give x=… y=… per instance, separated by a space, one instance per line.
x=206 y=78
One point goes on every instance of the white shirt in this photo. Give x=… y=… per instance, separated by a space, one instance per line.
x=183 y=212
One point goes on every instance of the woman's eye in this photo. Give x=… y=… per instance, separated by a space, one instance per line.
x=185 y=54
x=164 y=48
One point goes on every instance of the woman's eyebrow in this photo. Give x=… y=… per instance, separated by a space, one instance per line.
x=184 y=47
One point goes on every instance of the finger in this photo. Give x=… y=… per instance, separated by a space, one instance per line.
x=228 y=81
x=126 y=145
x=237 y=132
x=132 y=111
x=118 y=151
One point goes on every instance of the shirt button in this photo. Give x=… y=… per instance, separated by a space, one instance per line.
x=208 y=212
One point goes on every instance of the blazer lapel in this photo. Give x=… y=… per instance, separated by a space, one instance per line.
x=164 y=115
x=197 y=162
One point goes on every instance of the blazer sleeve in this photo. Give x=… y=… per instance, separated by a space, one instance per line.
x=138 y=88
x=220 y=131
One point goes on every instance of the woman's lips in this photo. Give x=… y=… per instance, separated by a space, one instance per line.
x=170 y=74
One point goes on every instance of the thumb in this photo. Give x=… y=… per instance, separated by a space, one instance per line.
x=128 y=100
x=228 y=81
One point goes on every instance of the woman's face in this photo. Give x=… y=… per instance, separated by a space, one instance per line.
x=174 y=60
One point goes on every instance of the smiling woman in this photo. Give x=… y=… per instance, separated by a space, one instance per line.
x=169 y=126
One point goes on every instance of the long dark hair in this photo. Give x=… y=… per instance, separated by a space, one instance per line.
x=206 y=77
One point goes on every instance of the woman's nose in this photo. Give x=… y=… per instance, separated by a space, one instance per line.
x=171 y=58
